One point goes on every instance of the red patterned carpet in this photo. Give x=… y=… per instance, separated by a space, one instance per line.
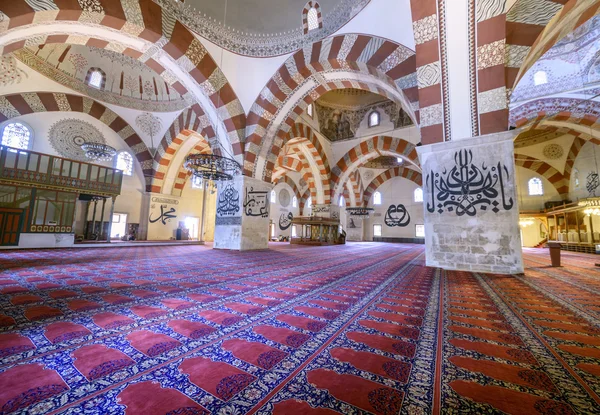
x=356 y=329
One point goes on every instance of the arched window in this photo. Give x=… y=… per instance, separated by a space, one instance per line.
x=377 y=198
x=96 y=78
x=400 y=160
x=311 y=17
x=374 y=119
x=535 y=187
x=309 y=110
x=576 y=177
x=196 y=182
x=125 y=163
x=309 y=202
x=540 y=78
x=342 y=201
x=16 y=135
x=273 y=196
x=294 y=201
x=418 y=194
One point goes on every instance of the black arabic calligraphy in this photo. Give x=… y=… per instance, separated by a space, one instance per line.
x=467 y=187
x=285 y=221
x=229 y=201
x=255 y=203
x=397 y=215
x=164 y=215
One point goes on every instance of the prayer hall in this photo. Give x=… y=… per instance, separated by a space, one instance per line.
x=299 y=207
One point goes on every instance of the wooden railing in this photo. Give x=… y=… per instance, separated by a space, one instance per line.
x=24 y=167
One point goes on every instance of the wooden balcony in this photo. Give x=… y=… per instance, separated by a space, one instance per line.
x=28 y=168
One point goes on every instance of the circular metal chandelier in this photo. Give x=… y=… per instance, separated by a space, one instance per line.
x=359 y=211
x=212 y=167
x=98 y=151
x=524 y=222
x=592 y=206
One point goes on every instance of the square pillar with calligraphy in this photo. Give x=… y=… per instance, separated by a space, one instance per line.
x=243 y=210
x=470 y=206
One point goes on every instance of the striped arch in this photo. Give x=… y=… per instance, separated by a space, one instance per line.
x=525 y=21
x=303 y=134
x=307 y=7
x=385 y=68
x=183 y=174
x=558 y=180
x=285 y=164
x=574 y=14
x=303 y=200
x=355 y=186
x=560 y=113
x=409 y=174
x=503 y=39
x=578 y=143
x=365 y=151
x=282 y=134
x=307 y=172
x=288 y=180
x=189 y=121
x=14 y=105
x=129 y=23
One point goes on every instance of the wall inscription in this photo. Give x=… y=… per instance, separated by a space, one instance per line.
x=229 y=201
x=396 y=216
x=468 y=187
x=256 y=203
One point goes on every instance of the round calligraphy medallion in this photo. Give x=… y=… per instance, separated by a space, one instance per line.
x=284 y=198
x=66 y=137
x=553 y=151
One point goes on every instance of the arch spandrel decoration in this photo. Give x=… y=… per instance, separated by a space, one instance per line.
x=14 y=105
x=382 y=61
x=368 y=150
x=147 y=22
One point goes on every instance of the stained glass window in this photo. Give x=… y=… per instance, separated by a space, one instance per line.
x=16 y=135
x=125 y=163
x=536 y=188
x=312 y=18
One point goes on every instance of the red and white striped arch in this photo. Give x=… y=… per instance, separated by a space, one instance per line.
x=368 y=150
x=14 y=105
x=556 y=178
x=404 y=172
x=385 y=67
x=144 y=30
x=183 y=175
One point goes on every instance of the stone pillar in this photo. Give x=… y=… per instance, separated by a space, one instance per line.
x=471 y=212
x=243 y=208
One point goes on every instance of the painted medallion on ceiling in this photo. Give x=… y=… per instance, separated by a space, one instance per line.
x=67 y=136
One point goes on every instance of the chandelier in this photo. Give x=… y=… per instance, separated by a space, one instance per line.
x=212 y=167
x=98 y=151
x=592 y=206
x=359 y=211
x=524 y=222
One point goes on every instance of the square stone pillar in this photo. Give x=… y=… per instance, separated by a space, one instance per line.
x=470 y=205
x=243 y=207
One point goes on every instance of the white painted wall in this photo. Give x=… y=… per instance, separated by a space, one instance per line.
x=527 y=202
x=395 y=191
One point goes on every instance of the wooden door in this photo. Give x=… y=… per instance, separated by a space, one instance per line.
x=10 y=226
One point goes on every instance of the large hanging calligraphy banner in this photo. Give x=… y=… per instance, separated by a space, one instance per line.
x=468 y=187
